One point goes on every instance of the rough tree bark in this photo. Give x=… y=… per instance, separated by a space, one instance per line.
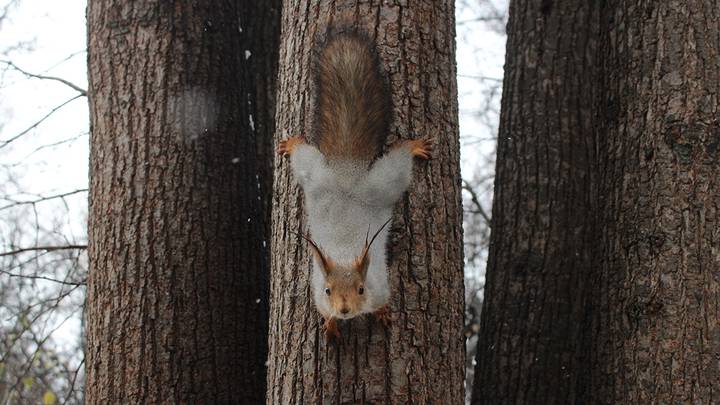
x=643 y=169
x=419 y=359
x=657 y=325
x=529 y=349
x=181 y=97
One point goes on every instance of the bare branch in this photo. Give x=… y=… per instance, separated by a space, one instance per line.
x=6 y=9
x=67 y=58
x=487 y=78
x=72 y=383
x=50 y=145
x=73 y=86
x=487 y=18
x=476 y=202
x=40 y=343
x=33 y=126
x=41 y=199
x=36 y=277
x=43 y=248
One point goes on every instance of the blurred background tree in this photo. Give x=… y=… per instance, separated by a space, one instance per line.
x=42 y=210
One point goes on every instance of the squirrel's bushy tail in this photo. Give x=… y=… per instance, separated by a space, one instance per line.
x=353 y=108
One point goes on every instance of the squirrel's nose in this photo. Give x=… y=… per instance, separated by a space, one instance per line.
x=344 y=311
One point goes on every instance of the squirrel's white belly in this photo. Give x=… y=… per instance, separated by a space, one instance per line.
x=339 y=223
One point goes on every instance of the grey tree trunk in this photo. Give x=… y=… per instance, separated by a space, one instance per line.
x=181 y=97
x=419 y=359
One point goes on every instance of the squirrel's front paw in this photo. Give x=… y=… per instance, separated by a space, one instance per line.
x=331 y=329
x=287 y=147
x=382 y=315
x=421 y=148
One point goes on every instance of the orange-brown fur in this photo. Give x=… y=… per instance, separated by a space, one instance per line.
x=353 y=109
x=344 y=280
x=344 y=284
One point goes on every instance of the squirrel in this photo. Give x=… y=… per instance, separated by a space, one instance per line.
x=349 y=190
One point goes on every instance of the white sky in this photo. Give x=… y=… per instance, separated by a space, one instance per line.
x=480 y=54
x=57 y=30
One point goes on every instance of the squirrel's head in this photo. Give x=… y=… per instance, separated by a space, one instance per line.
x=344 y=286
x=345 y=282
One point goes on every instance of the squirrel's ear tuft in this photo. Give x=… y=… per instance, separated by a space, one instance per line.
x=325 y=263
x=363 y=262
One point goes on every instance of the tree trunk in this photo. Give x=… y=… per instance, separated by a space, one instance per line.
x=529 y=348
x=181 y=97
x=419 y=359
x=657 y=326
x=642 y=275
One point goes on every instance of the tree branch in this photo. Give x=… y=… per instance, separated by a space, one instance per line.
x=492 y=79
x=33 y=126
x=41 y=199
x=50 y=145
x=72 y=384
x=45 y=248
x=497 y=18
x=36 y=277
x=476 y=201
x=73 y=86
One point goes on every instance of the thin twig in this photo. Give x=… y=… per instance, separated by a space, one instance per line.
x=72 y=384
x=33 y=126
x=45 y=248
x=493 y=18
x=67 y=58
x=492 y=79
x=41 y=199
x=476 y=201
x=39 y=344
x=73 y=86
x=54 y=280
x=46 y=146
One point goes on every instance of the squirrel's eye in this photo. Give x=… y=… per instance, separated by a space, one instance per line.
x=361 y=290
x=327 y=291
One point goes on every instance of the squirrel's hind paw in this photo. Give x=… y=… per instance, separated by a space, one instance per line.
x=287 y=147
x=382 y=315
x=331 y=330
